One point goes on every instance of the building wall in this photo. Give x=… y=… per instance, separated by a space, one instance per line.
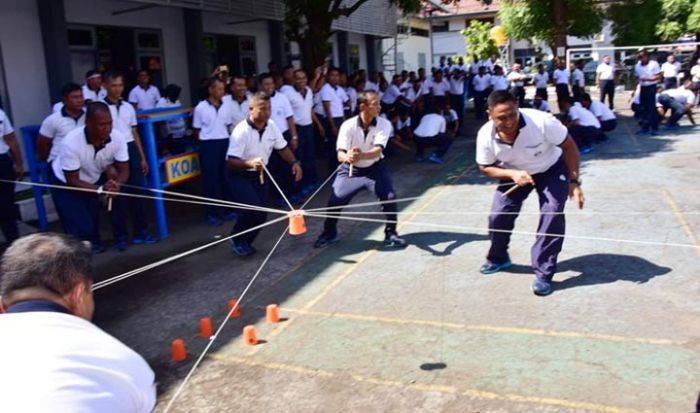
x=359 y=40
x=23 y=62
x=448 y=44
x=217 y=23
x=168 y=19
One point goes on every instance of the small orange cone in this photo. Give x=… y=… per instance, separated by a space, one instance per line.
x=297 y=226
x=272 y=314
x=178 y=349
x=205 y=329
x=249 y=335
x=237 y=312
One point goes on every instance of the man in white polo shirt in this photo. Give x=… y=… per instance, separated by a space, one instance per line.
x=302 y=101
x=606 y=117
x=94 y=157
x=456 y=79
x=530 y=149
x=333 y=98
x=435 y=90
x=212 y=122
x=144 y=95
x=517 y=84
x=238 y=100
x=392 y=94
x=605 y=80
x=670 y=70
x=481 y=88
x=578 y=81
x=53 y=358
x=582 y=124
x=680 y=100
x=124 y=122
x=498 y=79
x=432 y=131
x=92 y=89
x=10 y=170
x=250 y=146
x=648 y=75
x=57 y=125
x=541 y=80
x=561 y=81
x=361 y=142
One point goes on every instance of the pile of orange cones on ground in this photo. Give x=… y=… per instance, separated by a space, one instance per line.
x=250 y=338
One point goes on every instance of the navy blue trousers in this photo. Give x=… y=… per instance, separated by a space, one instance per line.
x=80 y=213
x=584 y=135
x=607 y=88
x=306 y=153
x=212 y=158
x=608 y=125
x=442 y=141
x=457 y=103
x=8 y=213
x=647 y=99
x=331 y=140
x=552 y=188
x=375 y=178
x=246 y=188
x=677 y=108
x=137 y=207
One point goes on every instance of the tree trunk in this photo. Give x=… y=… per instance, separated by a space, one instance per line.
x=559 y=11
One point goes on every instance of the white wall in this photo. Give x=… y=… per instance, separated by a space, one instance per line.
x=411 y=47
x=449 y=44
x=23 y=62
x=359 y=40
x=168 y=19
x=216 y=23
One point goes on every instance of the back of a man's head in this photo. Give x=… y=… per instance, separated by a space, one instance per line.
x=51 y=267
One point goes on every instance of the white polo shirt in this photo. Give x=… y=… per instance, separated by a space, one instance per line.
x=578 y=78
x=337 y=98
x=650 y=69
x=681 y=94
x=457 y=84
x=561 y=76
x=5 y=129
x=584 y=116
x=351 y=135
x=302 y=105
x=77 y=154
x=369 y=85
x=94 y=96
x=671 y=69
x=239 y=111
x=352 y=96
x=601 y=110
x=281 y=111
x=123 y=118
x=535 y=149
x=144 y=98
x=212 y=122
x=695 y=73
x=499 y=82
x=391 y=94
x=436 y=88
x=248 y=143
x=62 y=363
x=56 y=126
x=286 y=88
x=541 y=80
x=605 y=71
x=410 y=93
x=481 y=83
x=400 y=124
x=430 y=125
x=517 y=79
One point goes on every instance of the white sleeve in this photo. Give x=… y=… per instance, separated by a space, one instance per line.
x=5 y=125
x=288 y=112
x=484 y=152
x=554 y=131
x=132 y=117
x=280 y=143
x=70 y=161
x=344 y=137
x=197 y=118
x=122 y=152
x=47 y=128
x=383 y=135
x=325 y=94
x=132 y=96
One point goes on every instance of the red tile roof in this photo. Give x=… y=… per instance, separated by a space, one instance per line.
x=465 y=7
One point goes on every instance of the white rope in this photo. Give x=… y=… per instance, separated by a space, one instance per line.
x=583 y=213
x=291 y=208
x=321 y=186
x=481 y=229
x=137 y=271
x=414 y=198
x=223 y=324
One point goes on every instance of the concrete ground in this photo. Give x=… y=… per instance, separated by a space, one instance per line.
x=367 y=329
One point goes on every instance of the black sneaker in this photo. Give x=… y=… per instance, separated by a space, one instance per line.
x=325 y=239
x=393 y=240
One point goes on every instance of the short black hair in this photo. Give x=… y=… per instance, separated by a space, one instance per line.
x=94 y=108
x=91 y=73
x=146 y=71
x=69 y=88
x=264 y=76
x=112 y=74
x=586 y=96
x=500 y=96
x=53 y=262
x=363 y=97
x=333 y=69
x=172 y=92
x=212 y=80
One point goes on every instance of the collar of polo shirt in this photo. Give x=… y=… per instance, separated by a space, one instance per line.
x=359 y=122
x=110 y=102
x=252 y=125
x=521 y=125
x=65 y=114
x=213 y=105
x=97 y=148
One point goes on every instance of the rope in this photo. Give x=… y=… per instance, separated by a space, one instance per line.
x=291 y=208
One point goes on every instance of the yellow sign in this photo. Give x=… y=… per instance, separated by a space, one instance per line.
x=183 y=167
x=498 y=34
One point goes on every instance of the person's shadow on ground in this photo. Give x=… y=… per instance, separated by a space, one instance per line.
x=602 y=269
x=427 y=241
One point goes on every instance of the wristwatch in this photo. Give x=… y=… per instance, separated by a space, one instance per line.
x=576 y=182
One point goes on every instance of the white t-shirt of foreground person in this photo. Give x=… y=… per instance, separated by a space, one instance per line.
x=53 y=358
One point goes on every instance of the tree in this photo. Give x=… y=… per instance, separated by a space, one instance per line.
x=308 y=22
x=478 y=38
x=638 y=22
x=551 y=20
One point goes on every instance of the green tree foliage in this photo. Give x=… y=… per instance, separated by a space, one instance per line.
x=308 y=22
x=673 y=23
x=551 y=20
x=638 y=22
x=480 y=45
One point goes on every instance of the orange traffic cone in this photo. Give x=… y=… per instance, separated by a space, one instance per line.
x=178 y=350
x=237 y=312
x=297 y=226
x=205 y=329
x=272 y=314
x=249 y=335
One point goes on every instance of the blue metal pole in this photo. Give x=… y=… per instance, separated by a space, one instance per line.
x=154 y=167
